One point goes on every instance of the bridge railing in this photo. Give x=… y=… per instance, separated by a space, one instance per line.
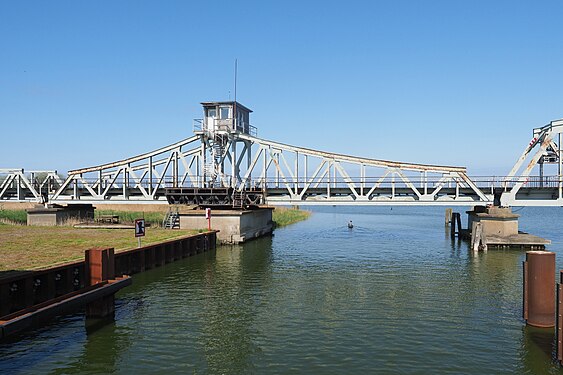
x=536 y=182
x=225 y=125
x=483 y=182
x=197 y=125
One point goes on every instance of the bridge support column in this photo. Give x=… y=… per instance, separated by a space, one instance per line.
x=234 y=165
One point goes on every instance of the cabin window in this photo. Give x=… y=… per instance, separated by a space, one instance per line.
x=225 y=113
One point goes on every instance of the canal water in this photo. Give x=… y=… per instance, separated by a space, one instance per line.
x=393 y=295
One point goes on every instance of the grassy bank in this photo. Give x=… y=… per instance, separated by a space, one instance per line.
x=283 y=216
x=24 y=248
x=125 y=217
x=13 y=216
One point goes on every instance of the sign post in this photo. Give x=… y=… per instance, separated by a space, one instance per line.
x=139 y=229
x=208 y=218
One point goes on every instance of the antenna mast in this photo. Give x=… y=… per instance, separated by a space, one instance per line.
x=235 y=106
x=235 y=80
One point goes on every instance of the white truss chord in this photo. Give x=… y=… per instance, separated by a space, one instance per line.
x=226 y=153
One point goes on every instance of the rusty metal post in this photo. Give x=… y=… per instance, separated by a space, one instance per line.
x=539 y=289
x=100 y=267
x=559 y=320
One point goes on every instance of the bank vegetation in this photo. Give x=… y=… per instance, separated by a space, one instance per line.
x=283 y=216
x=30 y=247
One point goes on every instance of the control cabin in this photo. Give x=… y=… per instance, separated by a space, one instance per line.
x=228 y=117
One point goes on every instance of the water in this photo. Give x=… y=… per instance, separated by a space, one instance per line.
x=393 y=295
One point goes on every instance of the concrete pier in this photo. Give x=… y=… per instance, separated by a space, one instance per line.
x=54 y=214
x=234 y=226
x=497 y=227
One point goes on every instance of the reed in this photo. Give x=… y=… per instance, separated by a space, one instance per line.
x=283 y=216
x=13 y=216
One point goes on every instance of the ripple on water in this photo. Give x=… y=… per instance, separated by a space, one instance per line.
x=392 y=295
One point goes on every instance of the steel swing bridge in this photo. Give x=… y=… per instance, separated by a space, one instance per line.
x=225 y=163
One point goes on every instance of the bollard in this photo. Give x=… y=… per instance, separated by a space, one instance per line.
x=456 y=225
x=539 y=289
x=100 y=267
x=448 y=218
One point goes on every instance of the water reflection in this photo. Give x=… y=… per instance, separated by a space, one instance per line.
x=238 y=276
x=101 y=352
x=537 y=353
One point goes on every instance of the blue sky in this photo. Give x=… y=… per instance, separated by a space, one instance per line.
x=442 y=82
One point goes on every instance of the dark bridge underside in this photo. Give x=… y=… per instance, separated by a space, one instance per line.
x=214 y=197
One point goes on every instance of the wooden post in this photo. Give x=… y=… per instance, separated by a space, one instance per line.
x=456 y=224
x=448 y=218
x=100 y=267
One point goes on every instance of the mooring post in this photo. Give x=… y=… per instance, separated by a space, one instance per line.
x=539 y=289
x=100 y=267
x=456 y=224
x=448 y=218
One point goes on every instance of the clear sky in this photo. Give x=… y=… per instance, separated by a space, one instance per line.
x=442 y=82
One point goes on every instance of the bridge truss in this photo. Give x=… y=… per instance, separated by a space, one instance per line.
x=20 y=186
x=297 y=175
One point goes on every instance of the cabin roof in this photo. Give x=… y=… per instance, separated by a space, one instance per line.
x=211 y=104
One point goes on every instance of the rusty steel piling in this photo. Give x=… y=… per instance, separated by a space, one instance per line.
x=29 y=298
x=99 y=268
x=539 y=289
x=559 y=320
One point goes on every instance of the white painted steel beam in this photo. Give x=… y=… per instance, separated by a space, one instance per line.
x=295 y=175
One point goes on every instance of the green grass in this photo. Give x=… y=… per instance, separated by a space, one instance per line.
x=152 y=218
x=14 y=216
x=27 y=247
x=285 y=216
x=282 y=216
